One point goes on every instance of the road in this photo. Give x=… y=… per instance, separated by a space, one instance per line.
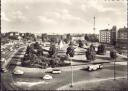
x=64 y=79
x=60 y=80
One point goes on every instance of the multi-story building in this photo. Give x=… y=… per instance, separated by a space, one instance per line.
x=108 y=36
x=105 y=36
x=122 y=40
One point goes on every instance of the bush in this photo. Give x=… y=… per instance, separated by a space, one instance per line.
x=34 y=57
x=101 y=49
x=81 y=44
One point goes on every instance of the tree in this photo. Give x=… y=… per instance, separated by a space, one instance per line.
x=69 y=37
x=70 y=50
x=53 y=50
x=53 y=40
x=81 y=44
x=86 y=37
x=44 y=37
x=91 y=38
x=66 y=41
x=101 y=49
x=113 y=54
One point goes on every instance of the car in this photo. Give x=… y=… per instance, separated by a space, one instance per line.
x=3 y=53
x=18 y=72
x=56 y=71
x=2 y=50
x=3 y=60
x=18 y=63
x=94 y=67
x=4 y=69
x=11 y=49
x=47 y=77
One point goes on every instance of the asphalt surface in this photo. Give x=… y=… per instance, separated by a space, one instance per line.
x=60 y=80
x=64 y=79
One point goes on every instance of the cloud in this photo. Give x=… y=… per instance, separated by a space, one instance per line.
x=4 y=17
x=99 y=5
x=27 y=7
x=48 y=1
x=63 y=16
x=76 y=15
x=19 y=16
x=46 y=20
x=66 y=15
x=66 y=1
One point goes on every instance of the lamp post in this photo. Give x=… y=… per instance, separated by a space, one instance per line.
x=113 y=56
x=127 y=39
x=114 y=69
x=70 y=53
x=72 y=73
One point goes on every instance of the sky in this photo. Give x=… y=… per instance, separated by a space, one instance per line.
x=61 y=16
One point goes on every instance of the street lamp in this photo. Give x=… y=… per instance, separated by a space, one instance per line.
x=114 y=69
x=70 y=53
x=72 y=73
x=94 y=28
x=127 y=39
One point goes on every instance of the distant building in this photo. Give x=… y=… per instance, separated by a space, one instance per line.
x=54 y=38
x=108 y=36
x=105 y=36
x=13 y=34
x=78 y=38
x=122 y=38
x=97 y=36
x=113 y=35
x=22 y=34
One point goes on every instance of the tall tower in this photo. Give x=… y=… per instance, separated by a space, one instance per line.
x=94 y=28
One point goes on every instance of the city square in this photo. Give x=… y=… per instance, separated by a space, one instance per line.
x=69 y=60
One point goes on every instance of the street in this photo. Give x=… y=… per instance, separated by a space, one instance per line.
x=59 y=81
x=32 y=79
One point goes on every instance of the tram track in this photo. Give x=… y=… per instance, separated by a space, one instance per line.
x=7 y=78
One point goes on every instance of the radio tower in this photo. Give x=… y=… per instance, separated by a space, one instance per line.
x=94 y=24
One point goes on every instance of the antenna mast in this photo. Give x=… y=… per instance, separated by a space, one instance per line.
x=94 y=24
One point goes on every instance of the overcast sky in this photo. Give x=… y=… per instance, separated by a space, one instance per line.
x=61 y=16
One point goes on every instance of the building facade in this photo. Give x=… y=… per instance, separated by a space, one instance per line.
x=108 y=36
x=105 y=36
x=122 y=40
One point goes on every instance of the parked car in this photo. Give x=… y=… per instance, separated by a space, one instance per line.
x=56 y=71
x=47 y=77
x=18 y=72
x=94 y=67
